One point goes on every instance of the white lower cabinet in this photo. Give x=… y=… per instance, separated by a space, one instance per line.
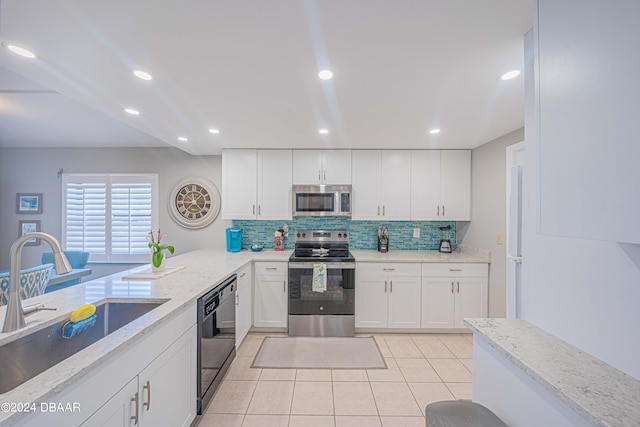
x=271 y=295
x=387 y=295
x=452 y=292
x=160 y=395
x=244 y=306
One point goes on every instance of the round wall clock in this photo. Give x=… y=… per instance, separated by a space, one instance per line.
x=194 y=203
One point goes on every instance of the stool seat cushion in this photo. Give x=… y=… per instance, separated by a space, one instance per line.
x=460 y=413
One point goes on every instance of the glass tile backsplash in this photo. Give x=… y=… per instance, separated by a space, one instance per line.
x=364 y=234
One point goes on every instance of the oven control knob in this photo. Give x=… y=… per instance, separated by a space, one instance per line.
x=339 y=235
x=304 y=234
x=321 y=308
x=298 y=235
x=345 y=235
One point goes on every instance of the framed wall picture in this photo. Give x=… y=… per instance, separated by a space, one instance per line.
x=26 y=227
x=29 y=203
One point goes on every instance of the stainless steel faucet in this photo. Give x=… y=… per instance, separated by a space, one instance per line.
x=14 y=319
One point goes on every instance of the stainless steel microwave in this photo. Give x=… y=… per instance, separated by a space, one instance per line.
x=321 y=200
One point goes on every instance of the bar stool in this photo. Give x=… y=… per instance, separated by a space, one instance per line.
x=460 y=413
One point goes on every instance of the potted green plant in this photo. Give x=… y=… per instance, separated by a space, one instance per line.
x=158 y=248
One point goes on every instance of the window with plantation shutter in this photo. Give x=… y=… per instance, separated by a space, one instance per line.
x=109 y=215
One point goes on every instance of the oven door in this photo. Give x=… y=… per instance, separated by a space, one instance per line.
x=338 y=299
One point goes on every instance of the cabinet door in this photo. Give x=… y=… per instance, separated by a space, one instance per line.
x=270 y=303
x=395 y=184
x=404 y=302
x=119 y=410
x=239 y=184
x=274 y=184
x=365 y=181
x=455 y=184
x=371 y=302
x=437 y=302
x=244 y=307
x=307 y=167
x=167 y=387
x=425 y=184
x=471 y=299
x=336 y=167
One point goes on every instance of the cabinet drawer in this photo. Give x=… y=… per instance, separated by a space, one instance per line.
x=455 y=269
x=388 y=269
x=272 y=268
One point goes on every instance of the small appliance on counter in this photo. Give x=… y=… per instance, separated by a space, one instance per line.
x=445 y=240
x=383 y=239
x=234 y=239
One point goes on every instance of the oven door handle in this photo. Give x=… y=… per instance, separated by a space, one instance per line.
x=330 y=265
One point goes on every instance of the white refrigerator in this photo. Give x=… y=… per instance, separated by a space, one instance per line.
x=514 y=245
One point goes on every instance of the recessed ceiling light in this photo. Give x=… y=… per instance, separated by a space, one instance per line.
x=323 y=131
x=132 y=111
x=434 y=131
x=183 y=139
x=214 y=131
x=142 y=75
x=510 y=75
x=21 y=51
x=325 y=74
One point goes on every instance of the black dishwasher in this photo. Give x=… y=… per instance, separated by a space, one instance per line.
x=216 y=338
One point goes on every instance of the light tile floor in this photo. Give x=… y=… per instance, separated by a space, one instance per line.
x=422 y=368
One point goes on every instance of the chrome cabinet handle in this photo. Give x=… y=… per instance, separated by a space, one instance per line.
x=385 y=286
x=451 y=287
x=383 y=206
x=272 y=268
x=324 y=175
x=455 y=269
x=388 y=269
x=134 y=399
x=243 y=274
x=254 y=209
x=442 y=210
x=237 y=299
x=148 y=402
x=318 y=174
x=458 y=286
x=284 y=286
x=259 y=210
x=391 y=288
x=378 y=209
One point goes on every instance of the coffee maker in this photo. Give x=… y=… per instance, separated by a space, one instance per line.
x=383 y=239
x=445 y=239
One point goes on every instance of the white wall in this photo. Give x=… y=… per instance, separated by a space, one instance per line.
x=488 y=213
x=34 y=171
x=585 y=292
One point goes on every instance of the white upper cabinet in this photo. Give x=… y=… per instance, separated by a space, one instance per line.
x=313 y=167
x=441 y=185
x=381 y=181
x=585 y=118
x=239 y=184
x=256 y=184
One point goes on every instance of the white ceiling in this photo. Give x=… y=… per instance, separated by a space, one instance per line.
x=249 y=68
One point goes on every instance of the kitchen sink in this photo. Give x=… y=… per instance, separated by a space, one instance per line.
x=28 y=356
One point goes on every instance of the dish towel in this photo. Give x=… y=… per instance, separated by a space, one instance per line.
x=319 y=278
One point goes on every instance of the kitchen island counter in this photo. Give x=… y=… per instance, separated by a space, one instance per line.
x=204 y=269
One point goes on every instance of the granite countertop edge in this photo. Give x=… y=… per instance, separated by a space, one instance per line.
x=596 y=391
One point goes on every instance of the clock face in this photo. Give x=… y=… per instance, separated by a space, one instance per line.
x=194 y=203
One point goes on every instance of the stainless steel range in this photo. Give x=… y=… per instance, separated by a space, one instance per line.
x=322 y=284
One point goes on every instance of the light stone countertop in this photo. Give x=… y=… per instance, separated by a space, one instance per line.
x=598 y=392
x=205 y=269
x=420 y=256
